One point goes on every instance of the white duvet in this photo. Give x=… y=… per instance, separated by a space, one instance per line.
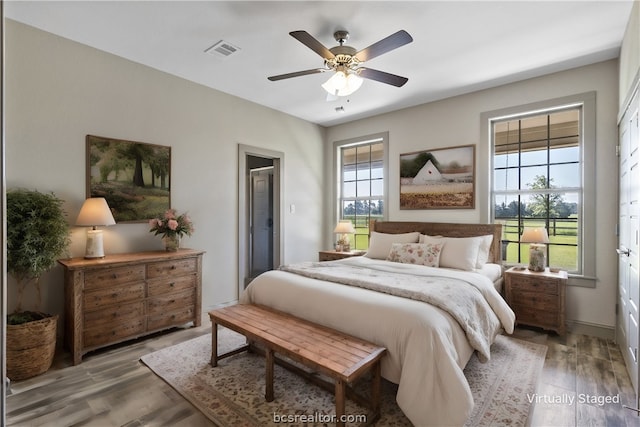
x=427 y=348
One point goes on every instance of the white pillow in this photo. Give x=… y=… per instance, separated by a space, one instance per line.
x=416 y=253
x=458 y=252
x=380 y=243
x=485 y=248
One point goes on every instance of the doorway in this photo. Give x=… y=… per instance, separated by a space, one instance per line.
x=259 y=224
x=260 y=219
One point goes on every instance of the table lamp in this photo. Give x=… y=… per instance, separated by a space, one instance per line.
x=344 y=228
x=95 y=212
x=537 y=238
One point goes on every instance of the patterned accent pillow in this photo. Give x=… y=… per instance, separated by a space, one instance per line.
x=416 y=253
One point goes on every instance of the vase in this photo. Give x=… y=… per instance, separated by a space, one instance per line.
x=171 y=243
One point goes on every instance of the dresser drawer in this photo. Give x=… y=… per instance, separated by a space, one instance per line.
x=178 y=317
x=110 y=277
x=535 y=284
x=117 y=313
x=171 y=284
x=536 y=300
x=171 y=302
x=113 y=333
x=175 y=267
x=531 y=316
x=102 y=298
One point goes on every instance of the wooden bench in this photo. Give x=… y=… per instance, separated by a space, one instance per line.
x=339 y=356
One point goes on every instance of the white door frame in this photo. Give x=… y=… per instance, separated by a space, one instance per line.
x=3 y=244
x=243 y=208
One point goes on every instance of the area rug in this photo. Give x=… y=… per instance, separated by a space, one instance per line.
x=233 y=394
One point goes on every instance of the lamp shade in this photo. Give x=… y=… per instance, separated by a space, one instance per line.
x=344 y=227
x=95 y=211
x=534 y=235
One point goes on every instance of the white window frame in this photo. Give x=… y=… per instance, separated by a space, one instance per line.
x=586 y=241
x=367 y=139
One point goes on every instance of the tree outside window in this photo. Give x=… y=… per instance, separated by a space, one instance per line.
x=537 y=183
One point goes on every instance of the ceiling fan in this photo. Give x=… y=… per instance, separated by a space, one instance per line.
x=346 y=62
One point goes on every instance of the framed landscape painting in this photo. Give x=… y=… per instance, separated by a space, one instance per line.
x=134 y=177
x=442 y=178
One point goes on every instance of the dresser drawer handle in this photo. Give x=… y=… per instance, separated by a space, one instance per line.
x=172 y=284
x=114 y=276
x=173 y=267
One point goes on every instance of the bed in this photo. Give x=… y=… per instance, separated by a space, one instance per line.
x=431 y=314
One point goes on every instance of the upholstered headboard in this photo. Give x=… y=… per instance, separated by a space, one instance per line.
x=447 y=230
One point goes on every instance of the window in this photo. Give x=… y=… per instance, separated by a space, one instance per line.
x=538 y=181
x=362 y=185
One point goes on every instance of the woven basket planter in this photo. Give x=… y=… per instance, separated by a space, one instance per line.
x=30 y=348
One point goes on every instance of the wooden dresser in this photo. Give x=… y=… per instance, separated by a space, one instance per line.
x=126 y=296
x=538 y=299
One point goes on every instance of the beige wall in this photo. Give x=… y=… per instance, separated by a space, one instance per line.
x=62 y=90
x=58 y=91
x=456 y=121
x=630 y=56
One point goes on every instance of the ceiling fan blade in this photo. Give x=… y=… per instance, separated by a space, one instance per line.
x=313 y=44
x=381 y=76
x=391 y=42
x=296 y=74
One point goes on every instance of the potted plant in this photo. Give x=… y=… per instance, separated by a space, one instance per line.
x=37 y=235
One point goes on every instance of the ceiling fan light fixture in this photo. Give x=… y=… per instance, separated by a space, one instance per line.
x=341 y=84
x=335 y=83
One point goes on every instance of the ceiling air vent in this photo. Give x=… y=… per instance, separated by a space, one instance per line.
x=222 y=49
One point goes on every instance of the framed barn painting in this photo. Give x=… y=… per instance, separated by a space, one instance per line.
x=134 y=177
x=442 y=178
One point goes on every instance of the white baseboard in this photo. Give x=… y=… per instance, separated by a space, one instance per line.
x=205 y=311
x=583 y=328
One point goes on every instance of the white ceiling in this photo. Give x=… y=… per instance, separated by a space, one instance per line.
x=458 y=47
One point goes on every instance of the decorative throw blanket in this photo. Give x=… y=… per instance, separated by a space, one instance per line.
x=462 y=299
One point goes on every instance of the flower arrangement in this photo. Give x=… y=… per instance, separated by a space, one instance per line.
x=171 y=224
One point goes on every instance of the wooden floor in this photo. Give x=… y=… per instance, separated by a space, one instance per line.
x=579 y=372
x=112 y=388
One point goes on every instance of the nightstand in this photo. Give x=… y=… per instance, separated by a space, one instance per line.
x=538 y=299
x=334 y=255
